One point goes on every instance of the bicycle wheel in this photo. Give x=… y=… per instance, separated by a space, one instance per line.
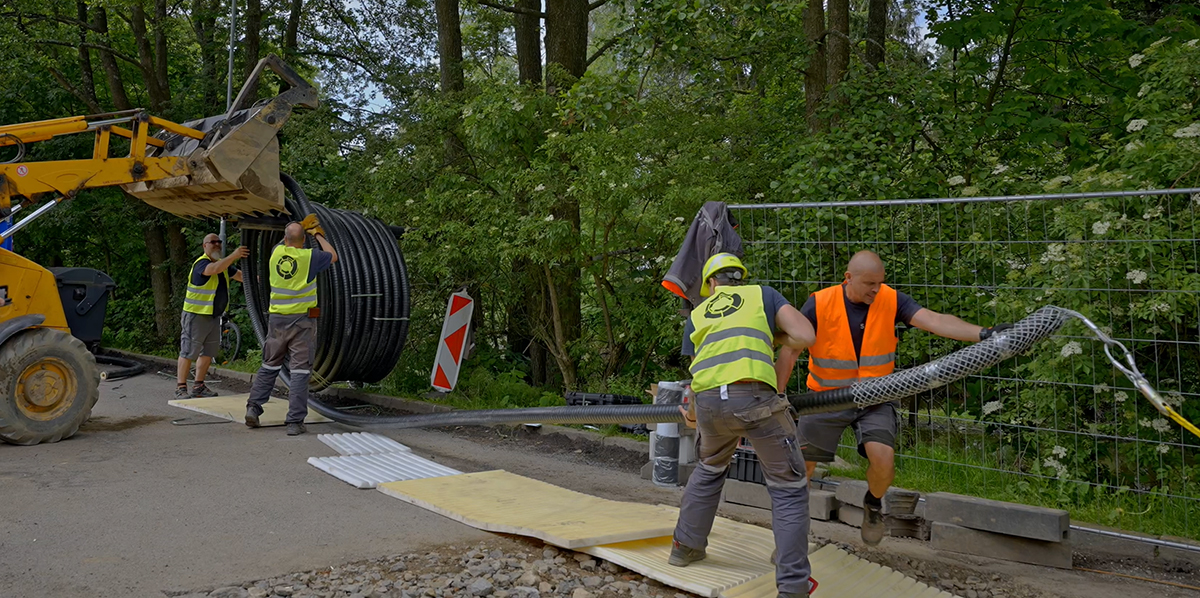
x=231 y=341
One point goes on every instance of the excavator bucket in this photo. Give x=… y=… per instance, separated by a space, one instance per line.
x=234 y=169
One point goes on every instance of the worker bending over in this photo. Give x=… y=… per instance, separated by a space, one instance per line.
x=731 y=337
x=855 y=325
x=292 y=326
x=203 y=305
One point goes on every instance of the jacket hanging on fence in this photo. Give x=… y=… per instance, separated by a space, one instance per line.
x=713 y=231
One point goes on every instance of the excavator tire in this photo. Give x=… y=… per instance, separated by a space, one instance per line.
x=48 y=385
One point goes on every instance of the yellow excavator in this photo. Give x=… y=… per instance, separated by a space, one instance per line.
x=225 y=165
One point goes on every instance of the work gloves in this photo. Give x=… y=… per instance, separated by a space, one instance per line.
x=311 y=226
x=988 y=332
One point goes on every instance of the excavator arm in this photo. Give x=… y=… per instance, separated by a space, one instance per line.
x=219 y=166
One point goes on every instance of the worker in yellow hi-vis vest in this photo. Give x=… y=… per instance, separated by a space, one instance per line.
x=205 y=302
x=731 y=337
x=292 y=326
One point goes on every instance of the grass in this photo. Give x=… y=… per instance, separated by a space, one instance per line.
x=935 y=468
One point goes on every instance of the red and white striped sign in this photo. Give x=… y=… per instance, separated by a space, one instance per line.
x=453 y=344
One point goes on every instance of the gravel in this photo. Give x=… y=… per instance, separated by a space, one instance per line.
x=499 y=568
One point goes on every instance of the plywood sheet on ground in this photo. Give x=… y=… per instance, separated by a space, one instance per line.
x=233 y=408
x=843 y=575
x=503 y=502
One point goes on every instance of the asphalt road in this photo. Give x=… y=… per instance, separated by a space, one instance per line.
x=134 y=505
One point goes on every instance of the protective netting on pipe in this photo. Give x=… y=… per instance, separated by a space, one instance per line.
x=364 y=298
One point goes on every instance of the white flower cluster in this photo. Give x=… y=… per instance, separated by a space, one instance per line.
x=1020 y=264
x=1173 y=398
x=955 y=180
x=1136 y=60
x=1072 y=348
x=1134 y=145
x=1057 y=182
x=1059 y=451
x=999 y=169
x=1161 y=425
x=1192 y=130
x=1144 y=90
x=1160 y=42
x=1059 y=469
x=1159 y=307
x=1055 y=252
x=1153 y=213
x=549 y=218
x=1137 y=276
x=540 y=187
x=1120 y=397
x=1136 y=125
x=1163 y=449
x=1192 y=43
x=1099 y=228
x=992 y=407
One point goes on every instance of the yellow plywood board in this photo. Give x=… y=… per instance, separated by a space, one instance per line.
x=233 y=408
x=498 y=501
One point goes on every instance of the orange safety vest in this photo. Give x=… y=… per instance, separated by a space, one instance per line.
x=832 y=363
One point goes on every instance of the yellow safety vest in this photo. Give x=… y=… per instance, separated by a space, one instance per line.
x=732 y=339
x=200 y=299
x=291 y=292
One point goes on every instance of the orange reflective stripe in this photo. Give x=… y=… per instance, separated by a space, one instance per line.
x=832 y=361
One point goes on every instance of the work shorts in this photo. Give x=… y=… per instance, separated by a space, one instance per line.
x=820 y=433
x=200 y=335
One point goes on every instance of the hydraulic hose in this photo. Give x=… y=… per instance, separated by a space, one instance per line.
x=872 y=391
x=364 y=297
x=127 y=368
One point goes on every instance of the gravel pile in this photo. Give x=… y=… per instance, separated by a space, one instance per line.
x=499 y=568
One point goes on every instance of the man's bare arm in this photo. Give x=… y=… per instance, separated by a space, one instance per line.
x=946 y=325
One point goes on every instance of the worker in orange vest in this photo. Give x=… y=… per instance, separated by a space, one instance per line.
x=855 y=325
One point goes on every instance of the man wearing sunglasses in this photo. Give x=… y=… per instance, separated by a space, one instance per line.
x=205 y=302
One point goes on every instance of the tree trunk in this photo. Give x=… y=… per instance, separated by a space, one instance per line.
x=814 y=76
x=838 y=44
x=876 y=32
x=181 y=260
x=528 y=33
x=204 y=24
x=566 y=43
x=291 y=32
x=450 y=52
x=252 y=44
x=108 y=62
x=160 y=47
x=87 y=76
x=137 y=23
x=160 y=277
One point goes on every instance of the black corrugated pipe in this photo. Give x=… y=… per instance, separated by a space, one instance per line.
x=364 y=298
x=872 y=391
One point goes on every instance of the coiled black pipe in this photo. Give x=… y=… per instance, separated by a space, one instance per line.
x=872 y=391
x=364 y=298
x=128 y=368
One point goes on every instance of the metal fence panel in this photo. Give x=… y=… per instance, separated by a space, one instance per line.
x=1058 y=426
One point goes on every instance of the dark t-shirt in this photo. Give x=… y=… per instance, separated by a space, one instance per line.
x=856 y=313
x=321 y=261
x=221 y=300
x=772 y=302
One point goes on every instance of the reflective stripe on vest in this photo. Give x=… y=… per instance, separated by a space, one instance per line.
x=732 y=339
x=201 y=299
x=291 y=291
x=832 y=363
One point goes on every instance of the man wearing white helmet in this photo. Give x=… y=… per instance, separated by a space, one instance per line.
x=731 y=337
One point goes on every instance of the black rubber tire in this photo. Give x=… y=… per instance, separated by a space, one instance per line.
x=73 y=366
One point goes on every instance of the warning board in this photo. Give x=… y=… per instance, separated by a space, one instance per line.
x=453 y=343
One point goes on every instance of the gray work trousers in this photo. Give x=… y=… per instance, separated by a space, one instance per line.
x=751 y=410
x=294 y=336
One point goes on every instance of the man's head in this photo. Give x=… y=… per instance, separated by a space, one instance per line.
x=864 y=276
x=722 y=269
x=211 y=245
x=293 y=235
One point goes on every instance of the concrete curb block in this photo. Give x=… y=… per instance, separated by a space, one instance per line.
x=1035 y=523
x=954 y=538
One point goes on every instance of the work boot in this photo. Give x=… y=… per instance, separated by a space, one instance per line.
x=812 y=587
x=872 y=525
x=252 y=414
x=682 y=556
x=296 y=429
x=181 y=392
x=200 y=390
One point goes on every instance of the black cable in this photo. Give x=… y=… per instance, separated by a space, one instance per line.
x=364 y=297
x=128 y=368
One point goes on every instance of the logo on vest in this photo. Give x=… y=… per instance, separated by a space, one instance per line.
x=723 y=305
x=286 y=267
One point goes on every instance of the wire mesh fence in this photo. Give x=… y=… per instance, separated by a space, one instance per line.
x=1059 y=425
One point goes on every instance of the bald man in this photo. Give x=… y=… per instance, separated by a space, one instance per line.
x=855 y=324
x=200 y=325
